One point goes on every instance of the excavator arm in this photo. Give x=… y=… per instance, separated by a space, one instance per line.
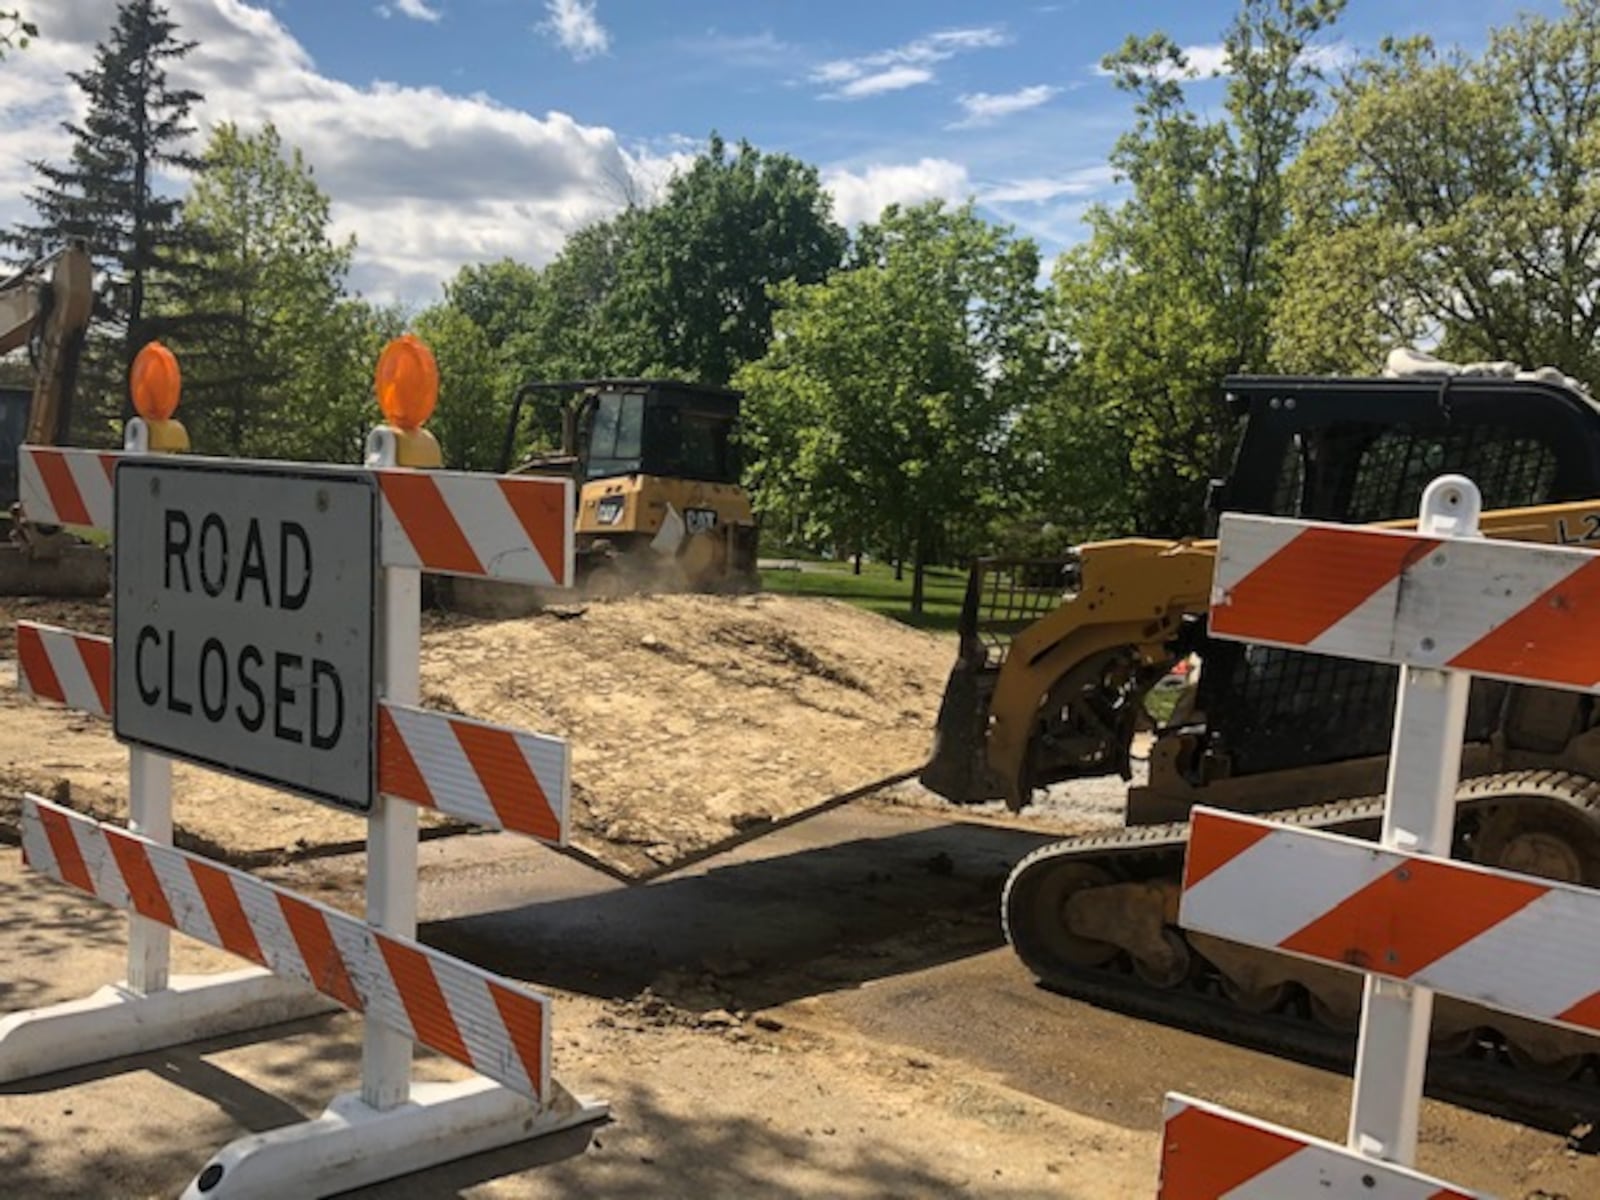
x=48 y=305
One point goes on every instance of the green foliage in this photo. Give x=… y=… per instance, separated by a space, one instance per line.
x=692 y=288
x=473 y=407
x=1457 y=200
x=878 y=412
x=272 y=349
x=679 y=290
x=1175 y=287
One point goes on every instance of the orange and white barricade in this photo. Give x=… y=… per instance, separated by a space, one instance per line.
x=1445 y=605
x=318 y=625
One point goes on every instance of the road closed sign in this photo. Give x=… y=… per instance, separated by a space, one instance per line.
x=243 y=612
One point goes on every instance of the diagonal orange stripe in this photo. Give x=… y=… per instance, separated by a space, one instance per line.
x=63 y=489
x=96 y=655
x=227 y=914
x=324 y=963
x=1204 y=1156
x=398 y=775
x=1551 y=640
x=524 y=1020
x=1313 y=583
x=1215 y=841
x=1412 y=916
x=429 y=1012
x=144 y=889
x=38 y=675
x=64 y=845
x=539 y=509
x=507 y=780
x=1585 y=1012
x=428 y=522
x=108 y=464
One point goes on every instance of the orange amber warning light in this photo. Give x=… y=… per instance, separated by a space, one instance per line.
x=155 y=382
x=407 y=382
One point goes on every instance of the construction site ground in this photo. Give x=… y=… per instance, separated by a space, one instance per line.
x=828 y=1011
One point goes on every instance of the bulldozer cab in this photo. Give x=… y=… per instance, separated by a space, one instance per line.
x=1362 y=450
x=646 y=427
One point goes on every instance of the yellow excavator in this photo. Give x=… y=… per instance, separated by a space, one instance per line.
x=1058 y=657
x=45 y=307
x=660 y=505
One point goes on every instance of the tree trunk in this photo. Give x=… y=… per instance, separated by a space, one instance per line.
x=899 y=567
x=857 y=557
x=918 y=566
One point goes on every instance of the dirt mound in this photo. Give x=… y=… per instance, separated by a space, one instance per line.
x=690 y=717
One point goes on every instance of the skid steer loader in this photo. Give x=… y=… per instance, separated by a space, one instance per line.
x=1057 y=656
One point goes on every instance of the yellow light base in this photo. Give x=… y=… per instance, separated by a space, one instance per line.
x=416 y=448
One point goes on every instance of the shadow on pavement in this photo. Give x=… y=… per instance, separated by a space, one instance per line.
x=769 y=930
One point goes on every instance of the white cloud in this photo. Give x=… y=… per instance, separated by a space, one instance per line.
x=898 y=64
x=417 y=10
x=862 y=195
x=428 y=180
x=1082 y=182
x=575 y=28
x=891 y=80
x=984 y=108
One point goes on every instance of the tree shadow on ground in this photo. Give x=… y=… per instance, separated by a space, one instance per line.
x=770 y=930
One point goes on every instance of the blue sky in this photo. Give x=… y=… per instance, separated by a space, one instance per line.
x=452 y=131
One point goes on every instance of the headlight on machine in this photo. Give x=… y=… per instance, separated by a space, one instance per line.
x=609 y=510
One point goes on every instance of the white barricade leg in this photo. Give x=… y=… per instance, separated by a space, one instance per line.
x=354 y=1145
x=117 y=1021
x=1424 y=770
x=150 y=814
x=392 y=836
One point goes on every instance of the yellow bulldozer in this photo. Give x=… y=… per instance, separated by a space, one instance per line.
x=656 y=464
x=45 y=307
x=1057 y=659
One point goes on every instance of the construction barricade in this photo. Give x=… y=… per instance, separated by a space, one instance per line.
x=266 y=621
x=1445 y=605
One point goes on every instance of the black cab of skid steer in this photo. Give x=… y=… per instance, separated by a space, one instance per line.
x=1362 y=450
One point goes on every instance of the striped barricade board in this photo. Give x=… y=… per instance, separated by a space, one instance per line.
x=64 y=667
x=1503 y=940
x=515 y=528
x=1209 y=1153
x=1508 y=610
x=495 y=1026
x=67 y=487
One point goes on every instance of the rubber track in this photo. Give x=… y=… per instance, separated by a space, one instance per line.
x=1481 y=1080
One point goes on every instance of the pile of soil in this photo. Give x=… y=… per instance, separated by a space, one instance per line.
x=691 y=718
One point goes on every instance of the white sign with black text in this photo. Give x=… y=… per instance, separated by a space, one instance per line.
x=243 y=613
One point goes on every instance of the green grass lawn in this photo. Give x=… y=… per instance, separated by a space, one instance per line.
x=875 y=589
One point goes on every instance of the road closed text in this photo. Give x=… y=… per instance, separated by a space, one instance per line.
x=244 y=622
x=293 y=696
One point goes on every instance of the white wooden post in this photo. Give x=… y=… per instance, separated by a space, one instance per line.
x=392 y=825
x=1424 y=771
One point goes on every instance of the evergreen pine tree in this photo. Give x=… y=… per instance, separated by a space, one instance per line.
x=136 y=130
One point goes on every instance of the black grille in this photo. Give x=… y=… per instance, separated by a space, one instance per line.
x=1268 y=709
x=1007 y=595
